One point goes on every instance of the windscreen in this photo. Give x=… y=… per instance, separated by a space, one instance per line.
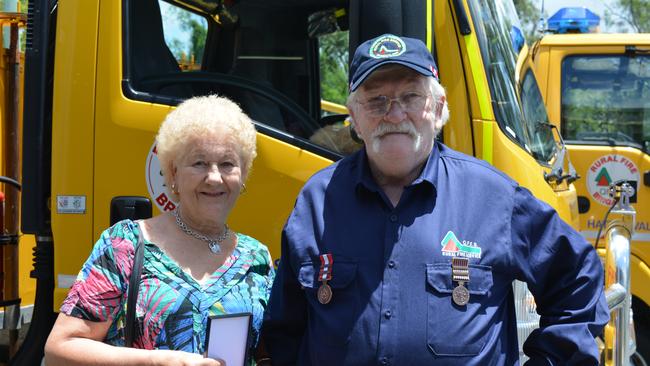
x=499 y=34
x=606 y=99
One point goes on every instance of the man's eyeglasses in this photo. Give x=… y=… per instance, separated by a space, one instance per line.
x=380 y=105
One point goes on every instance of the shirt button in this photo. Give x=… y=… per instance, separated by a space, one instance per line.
x=391 y=264
x=393 y=218
x=384 y=361
x=388 y=314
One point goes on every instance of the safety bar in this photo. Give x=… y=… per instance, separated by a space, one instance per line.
x=618 y=260
x=617 y=276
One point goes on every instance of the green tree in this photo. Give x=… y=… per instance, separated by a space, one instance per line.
x=333 y=57
x=195 y=28
x=529 y=15
x=198 y=33
x=631 y=15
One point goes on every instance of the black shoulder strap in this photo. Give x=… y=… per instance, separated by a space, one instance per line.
x=132 y=296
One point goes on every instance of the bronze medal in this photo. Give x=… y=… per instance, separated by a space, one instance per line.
x=460 y=274
x=324 y=293
x=460 y=295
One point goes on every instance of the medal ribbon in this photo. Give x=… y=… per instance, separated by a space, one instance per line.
x=326 y=262
x=460 y=269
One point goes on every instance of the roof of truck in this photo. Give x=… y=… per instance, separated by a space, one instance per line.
x=591 y=39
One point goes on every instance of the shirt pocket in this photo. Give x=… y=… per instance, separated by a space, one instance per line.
x=331 y=323
x=454 y=330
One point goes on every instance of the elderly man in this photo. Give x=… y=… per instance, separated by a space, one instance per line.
x=404 y=252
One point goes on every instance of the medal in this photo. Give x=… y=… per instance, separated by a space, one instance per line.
x=460 y=295
x=460 y=274
x=324 y=293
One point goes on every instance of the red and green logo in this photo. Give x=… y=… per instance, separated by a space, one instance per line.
x=387 y=46
x=452 y=247
x=603 y=179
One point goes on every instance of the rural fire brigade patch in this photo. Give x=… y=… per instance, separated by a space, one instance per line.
x=156 y=183
x=387 y=46
x=452 y=247
x=606 y=170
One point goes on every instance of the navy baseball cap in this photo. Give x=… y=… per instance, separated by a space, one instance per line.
x=390 y=49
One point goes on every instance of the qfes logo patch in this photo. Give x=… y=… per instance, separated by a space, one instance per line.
x=606 y=170
x=387 y=46
x=452 y=247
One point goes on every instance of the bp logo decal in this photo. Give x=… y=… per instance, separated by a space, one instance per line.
x=387 y=46
x=156 y=183
x=606 y=170
x=452 y=247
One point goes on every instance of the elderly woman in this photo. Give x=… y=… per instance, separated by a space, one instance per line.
x=195 y=266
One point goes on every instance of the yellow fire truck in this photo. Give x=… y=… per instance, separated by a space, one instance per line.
x=101 y=75
x=596 y=88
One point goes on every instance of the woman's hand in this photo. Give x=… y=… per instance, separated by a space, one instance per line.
x=180 y=358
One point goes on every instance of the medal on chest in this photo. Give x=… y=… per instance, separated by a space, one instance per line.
x=324 y=293
x=460 y=274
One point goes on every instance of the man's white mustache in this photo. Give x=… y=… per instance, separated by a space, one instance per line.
x=386 y=128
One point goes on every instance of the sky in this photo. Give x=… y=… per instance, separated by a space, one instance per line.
x=597 y=6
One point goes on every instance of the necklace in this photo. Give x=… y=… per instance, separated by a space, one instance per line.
x=213 y=244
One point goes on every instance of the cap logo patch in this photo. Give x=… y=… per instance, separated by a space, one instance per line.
x=387 y=46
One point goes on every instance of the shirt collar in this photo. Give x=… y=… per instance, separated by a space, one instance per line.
x=428 y=175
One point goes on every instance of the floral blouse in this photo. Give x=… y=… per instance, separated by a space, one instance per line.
x=172 y=307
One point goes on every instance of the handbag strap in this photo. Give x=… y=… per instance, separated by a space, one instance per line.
x=134 y=288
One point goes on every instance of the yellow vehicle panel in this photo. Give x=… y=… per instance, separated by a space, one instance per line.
x=73 y=137
x=592 y=160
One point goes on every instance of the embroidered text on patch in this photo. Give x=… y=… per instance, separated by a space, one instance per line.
x=452 y=247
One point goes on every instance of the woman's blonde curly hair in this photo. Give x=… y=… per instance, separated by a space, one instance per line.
x=199 y=117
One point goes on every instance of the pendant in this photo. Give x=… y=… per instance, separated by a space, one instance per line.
x=214 y=247
x=324 y=293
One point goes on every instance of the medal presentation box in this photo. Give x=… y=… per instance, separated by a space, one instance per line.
x=228 y=337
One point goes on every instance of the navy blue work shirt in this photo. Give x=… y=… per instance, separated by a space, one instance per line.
x=391 y=273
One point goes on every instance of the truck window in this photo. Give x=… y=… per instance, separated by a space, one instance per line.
x=606 y=99
x=257 y=54
x=497 y=28
x=542 y=143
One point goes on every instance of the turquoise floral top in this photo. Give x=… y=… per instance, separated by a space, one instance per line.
x=172 y=308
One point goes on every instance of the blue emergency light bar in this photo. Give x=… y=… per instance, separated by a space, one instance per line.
x=573 y=20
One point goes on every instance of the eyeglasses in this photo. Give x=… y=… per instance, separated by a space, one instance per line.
x=380 y=105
